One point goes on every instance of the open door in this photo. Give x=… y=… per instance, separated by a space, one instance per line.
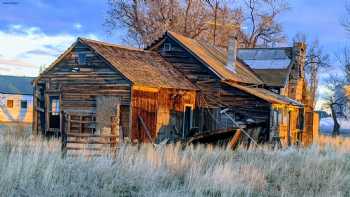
x=188 y=116
x=54 y=113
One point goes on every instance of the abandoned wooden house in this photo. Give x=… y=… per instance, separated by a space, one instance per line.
x=175 y=89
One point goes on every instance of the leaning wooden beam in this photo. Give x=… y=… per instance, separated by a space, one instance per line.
x=148 y=133
x=235 y=139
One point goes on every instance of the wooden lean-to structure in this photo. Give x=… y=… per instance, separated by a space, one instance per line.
x=176 y=89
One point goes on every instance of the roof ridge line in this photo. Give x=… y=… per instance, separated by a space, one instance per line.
x=111 y=44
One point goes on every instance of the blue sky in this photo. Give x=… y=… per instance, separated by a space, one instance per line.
x=34 y=32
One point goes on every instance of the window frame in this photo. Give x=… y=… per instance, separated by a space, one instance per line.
x=51 y=99
x=167 y=47
x=8 y=101
x=82 y=58
x=22 y=106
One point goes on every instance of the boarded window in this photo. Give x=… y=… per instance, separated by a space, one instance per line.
x=23 y=104
x=9 y=104
x=106 y=108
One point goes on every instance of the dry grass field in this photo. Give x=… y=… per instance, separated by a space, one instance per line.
x=30 y=166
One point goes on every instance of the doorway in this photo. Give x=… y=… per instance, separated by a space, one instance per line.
x=188 y=116
x=54 y=112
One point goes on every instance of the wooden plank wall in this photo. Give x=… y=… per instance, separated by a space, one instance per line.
x=170 y=115
x=195 y=71
x=162 y=111
x=213 y=95
x=78 y=90
x=241 y=102
x=144 y=104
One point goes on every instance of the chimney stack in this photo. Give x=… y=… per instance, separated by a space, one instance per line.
x=231 y=54
x=299 y=52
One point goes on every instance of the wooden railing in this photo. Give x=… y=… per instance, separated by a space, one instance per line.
x=83 y=135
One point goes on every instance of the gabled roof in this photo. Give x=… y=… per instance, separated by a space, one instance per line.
x=216 y=60
x=266 y=95
x=271 y=64
x=139 y=66
x=16 y=85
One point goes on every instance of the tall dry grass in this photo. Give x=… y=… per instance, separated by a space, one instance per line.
x=34 y=167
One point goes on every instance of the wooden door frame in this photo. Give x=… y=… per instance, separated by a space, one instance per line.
x=184 y=115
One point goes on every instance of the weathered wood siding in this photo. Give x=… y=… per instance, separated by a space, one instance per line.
x=78 y=90
x=170 y=113
x=144 y=105
x=195 y=71
x=213 y=95
x=244 y=103
x=162 y=111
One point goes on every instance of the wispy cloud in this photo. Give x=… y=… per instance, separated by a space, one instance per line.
x=77 y=26
x=25 y=49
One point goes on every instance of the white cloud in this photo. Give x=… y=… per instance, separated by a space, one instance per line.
x=24 y=49
x=78 y=26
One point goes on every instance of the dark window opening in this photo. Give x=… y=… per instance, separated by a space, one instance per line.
x=24 y=104
x=9 y=104
x=166 y=47
x=81 y=58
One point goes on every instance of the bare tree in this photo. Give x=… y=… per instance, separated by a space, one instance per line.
x=335 y=99
x=261 y=21
x=316 y=61
x=146 y=20
x=346 y=20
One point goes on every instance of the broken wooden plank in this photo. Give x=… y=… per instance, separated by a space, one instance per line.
x=235 y=139
x=148 y=133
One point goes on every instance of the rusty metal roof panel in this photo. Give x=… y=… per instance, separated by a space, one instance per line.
x=266 y=58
